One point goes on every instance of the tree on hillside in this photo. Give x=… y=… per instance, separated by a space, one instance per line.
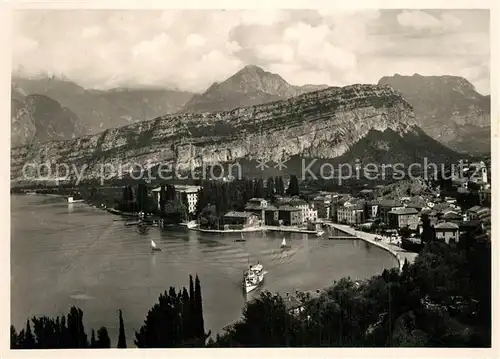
x=121 y=334
x=171 y=192
x=249 y=191
x=279 y=185
x=93 y=342
x=428 y=234
x=293 y=187
x=172 y=322
x=142 y=198
x=269 y=187
x=366 y=211
x=52 y=333
x=162 y=200
x=175 y=212
x=103 y=341
x=259 y=189
x=198 y=306
x=77 y=337
x=208 y=217
x=29 y=339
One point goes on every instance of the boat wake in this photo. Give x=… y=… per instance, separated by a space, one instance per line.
x=81 y=297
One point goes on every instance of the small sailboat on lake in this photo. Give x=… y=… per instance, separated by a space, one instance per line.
x=154 y=248
x=241 y=239
x=284 y=245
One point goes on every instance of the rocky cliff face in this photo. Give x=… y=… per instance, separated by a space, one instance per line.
x=40 y=118
x=323 y=124
x=248 y=87
x=448 y=108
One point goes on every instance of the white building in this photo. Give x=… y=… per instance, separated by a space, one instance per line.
x=190 y=191
x=311 y=214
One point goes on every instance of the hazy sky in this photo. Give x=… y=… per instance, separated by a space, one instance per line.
x=191 y=49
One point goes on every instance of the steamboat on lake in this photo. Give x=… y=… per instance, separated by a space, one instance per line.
x=253 y=277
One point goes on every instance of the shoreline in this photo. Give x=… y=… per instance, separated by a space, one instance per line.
x=385 y=244
x=255 y=229
x=399 y=253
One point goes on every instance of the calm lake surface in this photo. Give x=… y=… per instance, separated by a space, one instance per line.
x=64 y=255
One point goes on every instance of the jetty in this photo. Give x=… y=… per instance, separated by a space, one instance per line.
x=341 y=237
x=256 y=229
x=385 y=243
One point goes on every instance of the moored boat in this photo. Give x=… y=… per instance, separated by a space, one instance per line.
x=143 y=228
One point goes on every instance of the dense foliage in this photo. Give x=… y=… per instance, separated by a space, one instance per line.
x=176 y=320
x=58 y=333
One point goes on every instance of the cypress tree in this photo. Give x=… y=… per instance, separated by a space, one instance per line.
x=163 y=199
x=93 y=343
x=277 y=185
x=63 y=329
x=192 y=306
x=13 y=338
x=281 y=186
x=270 y=187
x=77 y=337
x=293 y=186
x=259 y=189
x=187 y=332
x=103 y=341
x=29 y=340
x=121 y=336
x=200 y=325
x=125 y=199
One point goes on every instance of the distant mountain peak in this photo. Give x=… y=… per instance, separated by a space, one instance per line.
x=251 y=85
x=252 y=69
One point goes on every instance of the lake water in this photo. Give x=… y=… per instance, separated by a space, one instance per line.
x=63 y=255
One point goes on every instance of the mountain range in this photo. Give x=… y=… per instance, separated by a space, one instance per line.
x=371 y=123
x=95 y=110
x=449 y=109
x=446 y=107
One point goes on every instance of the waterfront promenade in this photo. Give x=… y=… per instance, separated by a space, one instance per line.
x=384 y=243
x=256 y=229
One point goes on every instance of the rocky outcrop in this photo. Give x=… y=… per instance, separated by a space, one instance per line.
x=40 y=118
x=448 y=108
x=248 y=87
x=323 y=124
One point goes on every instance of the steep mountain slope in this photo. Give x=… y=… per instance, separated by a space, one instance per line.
x=448 y=108
x=100 y=110
x=324 y=124
x=248 y=87
x=40 y=118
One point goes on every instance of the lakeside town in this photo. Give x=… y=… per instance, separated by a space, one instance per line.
x=259 y=178
x=397 y=212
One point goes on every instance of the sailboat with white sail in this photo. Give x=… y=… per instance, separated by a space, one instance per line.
x=284 y=244
x=154 y=248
